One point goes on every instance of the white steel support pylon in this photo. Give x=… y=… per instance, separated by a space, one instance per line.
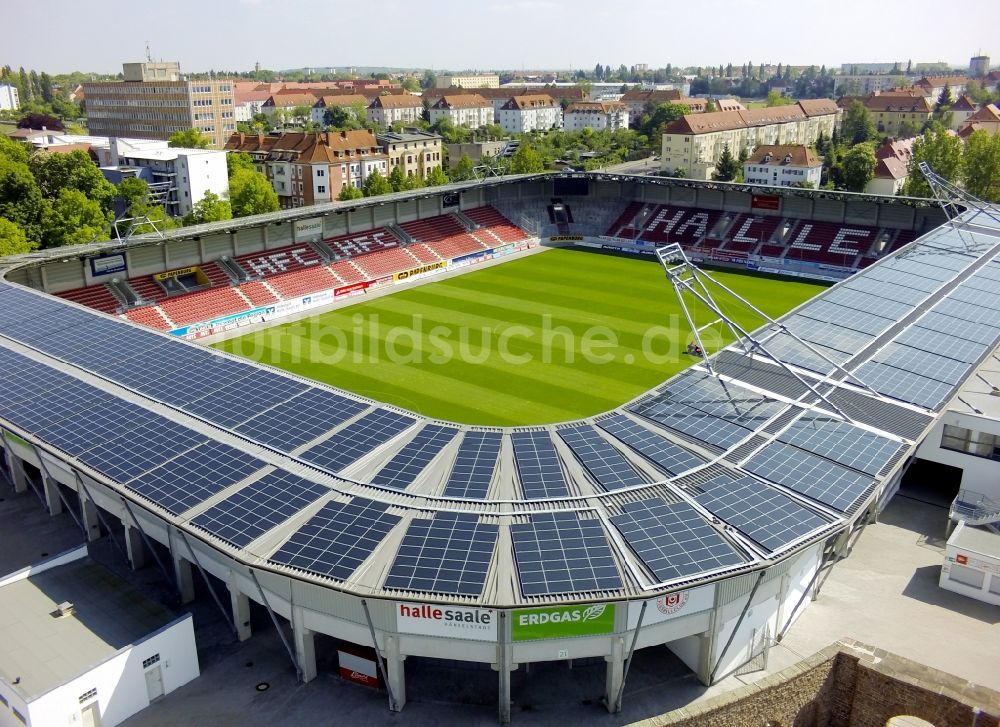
x=685 y=277
x=953 y=199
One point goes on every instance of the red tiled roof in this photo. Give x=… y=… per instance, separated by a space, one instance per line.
x=462 y=101
x=595 y=107
x=399 y=101
x=795 y=155
x=891 y=168
x=989 y=114
x=346 y=100
x=964 y=103
x=537 y=101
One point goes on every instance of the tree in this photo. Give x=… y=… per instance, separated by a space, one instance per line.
x=943 y=151
x=662 y=116
x=24 y=86
x=411 y=85
x=348 y=192
x=301 y=114
x=526 y=161
x=411 y=182
x=375 y=184
x=945 y=100
x=13 y=150
x=45 y=84
x=859 y=167
x=21 y=200
x=397 y=179
x=210 y=208
x=72 y=219
x=237 y=160
x=436 y=177
x=430 y=80
x=857 y=126
x=710 y=106
x=981 y=165
x=775 y=99
x=251 y=194
x=12 y=239
x=726 y=168
x=189 y=139
x=464 y=169
x=54 y=172
x=134 y=192
x=35 y=120
x=340 y=117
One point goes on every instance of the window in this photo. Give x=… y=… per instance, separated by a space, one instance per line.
x=88 y=695
x=320 y=172
x=321 y=189
x=978 y=444
x=154 y=659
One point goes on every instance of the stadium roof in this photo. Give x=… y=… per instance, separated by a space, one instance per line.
x=704 y=477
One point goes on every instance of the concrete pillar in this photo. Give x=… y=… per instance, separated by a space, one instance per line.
x=615 y=673
x=706 y=642
x=52 y=500
x=503 y=692
x=184 y=577
x=305 y=645
x=90 y=520
x=134 y=546
x=16 y=468
x=241 y=609
x=395 y=672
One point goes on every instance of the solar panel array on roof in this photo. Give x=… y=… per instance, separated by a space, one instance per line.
x=768 y=517
x=674 y=541
x=605 y=463
x=302 y=419
x=810 y=475
x=560 y=553
x=474 y=465
x=142 y=449
x=411 y=460
x=242 y=399
x=841 y=441
x=357 y=439
x=538 y=465
x=338 y=538
x=247 y=514
x=449 y=554
x=194 y=476
x=669 y=457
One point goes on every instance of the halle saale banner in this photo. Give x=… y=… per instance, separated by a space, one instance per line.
x=529 y=624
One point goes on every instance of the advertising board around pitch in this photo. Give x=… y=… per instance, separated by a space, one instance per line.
x=558 y=622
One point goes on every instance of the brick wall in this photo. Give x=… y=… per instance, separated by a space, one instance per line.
x=848 y=684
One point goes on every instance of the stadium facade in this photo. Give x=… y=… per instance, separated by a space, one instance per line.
x=701 y=515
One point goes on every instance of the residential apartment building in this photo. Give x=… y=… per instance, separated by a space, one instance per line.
x=393 y=109
x=154 y=101
x=306 y=169
x=961 y=111
x=355 y=104
x=986 y=119
x=8 y=98
x=283 y=103
x=474 y=80
x=418 y=152
x=895 y=113
x=475 y=150
x=932 y=86
x=178 y=178
x=528 y=113
x=694 y=143
x=596 y=115
x=861 y=85
x=470 y=110
x=783 y=166
x=248 y=103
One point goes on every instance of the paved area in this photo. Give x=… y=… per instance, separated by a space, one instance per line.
x=885 y=594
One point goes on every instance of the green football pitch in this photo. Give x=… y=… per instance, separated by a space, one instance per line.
x=559 y=335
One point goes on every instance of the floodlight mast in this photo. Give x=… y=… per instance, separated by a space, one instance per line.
x=684 y=276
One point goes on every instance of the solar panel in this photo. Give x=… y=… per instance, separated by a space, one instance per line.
x=474 y=465
x=860 y=300
x=828 y=335
x=108 y=420
x=605 y=463
x=244 y=398
x=411 y=460
x=684 y=418
x=793 y=352
x=291 y=424
x=923 y=363
x=904 y=385
x=357 y=439
x=885 y=273
x=34 y=408
x=863 y=321
x=842 y=442
x=958 y=328
x=560 y=553
x=538 y=465
x=194 y=476
x=338 y=538
x=449 y=554
x=941 y=343
x=246 y=515
x=889 y=290
x=669 y=457
x=763 y=514
x=967 y=311
x=674 y=541
x=984 y=297
x=809 y=475
x=211 y=374
x=142 y=449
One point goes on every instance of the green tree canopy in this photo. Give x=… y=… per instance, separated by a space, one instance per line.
x=662 y=116
x=210 y=208
x=342 y=117
x=945 y=99
x=21 y=200
x=436 y=177
x=15 y=151
x=189 y=139
x=857 y=126
x=12 y=239
x=375 y=184
x=236 y=160
x=397 y=180
x=981 y=165
x=54 y=172
x=348 y=192
x=859 y=167
x=727 y=168
x=463 y=170
x=251 y=194
x=526 y=161
x=134 y=191
x=943 y=151
x=74 y=218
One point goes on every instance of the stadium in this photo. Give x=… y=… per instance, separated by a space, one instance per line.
x=698 y=511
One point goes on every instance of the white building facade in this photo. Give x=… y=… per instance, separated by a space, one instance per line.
x=596 y=115
x=528 y=113
x=397 y=108
x=783 y=166
x=8 y=98
x=470 y=110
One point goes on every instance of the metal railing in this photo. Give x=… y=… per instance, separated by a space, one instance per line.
x=974 y=508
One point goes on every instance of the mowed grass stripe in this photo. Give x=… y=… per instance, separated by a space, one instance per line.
x=576 y=290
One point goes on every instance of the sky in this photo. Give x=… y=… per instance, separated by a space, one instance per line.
x=492 y=34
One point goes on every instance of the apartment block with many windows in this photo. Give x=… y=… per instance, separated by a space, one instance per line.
x=596 y=115
x=470 y=110
x=418 y=152
x=388 y=110
x=154 y=101
x=528 y=113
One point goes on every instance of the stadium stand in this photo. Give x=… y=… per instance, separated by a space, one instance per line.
x=147 y=289
x=203 y=305
x=444 y=236
x=362 y=243
x=282 y=260
x=495 y=226
x=748 y=231
x=689 y=226
x=98 y=297
x=830 y=243
x=624 y=219
x=258 y=293
x=347 y=271
x=387 y=262
x=303 y=282
x=151 y=316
